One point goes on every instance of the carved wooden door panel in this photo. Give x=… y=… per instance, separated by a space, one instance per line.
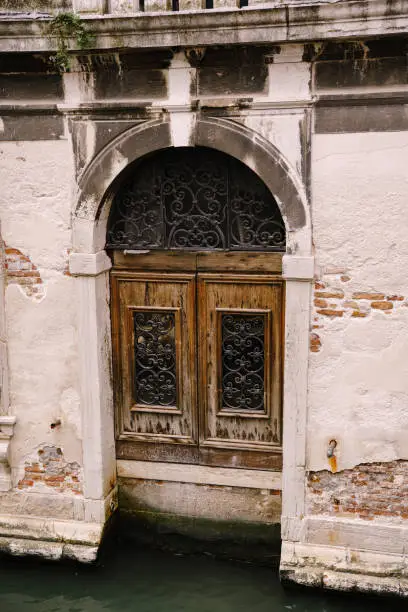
x=155 y=363
x=239 y=349
x=198 y=358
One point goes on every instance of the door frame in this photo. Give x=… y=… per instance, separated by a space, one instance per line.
x=90 y=264
x=178 y=266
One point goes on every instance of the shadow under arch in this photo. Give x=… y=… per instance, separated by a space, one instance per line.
x=252 y=149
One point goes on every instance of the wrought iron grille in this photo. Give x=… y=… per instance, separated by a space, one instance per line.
x=194 y=198
x=243 y=362
x=155 y=358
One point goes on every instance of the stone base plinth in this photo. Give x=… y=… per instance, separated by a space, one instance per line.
x=348 y=555
x=50 y=539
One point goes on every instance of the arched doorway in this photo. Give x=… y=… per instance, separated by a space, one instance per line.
x=197 y=310
x=91 y=266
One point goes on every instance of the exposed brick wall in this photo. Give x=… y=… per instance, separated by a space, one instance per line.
x=368 y=491
x=21 y=271
x=51 y=469
x=334 y=300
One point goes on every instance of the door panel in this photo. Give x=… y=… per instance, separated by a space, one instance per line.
x=239 y=353
x=199 y=261
x=155 y=346
x=239 y=262
x=163 y=323
x=158 y=261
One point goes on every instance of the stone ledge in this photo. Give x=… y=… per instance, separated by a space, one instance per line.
x=344 y=569
x=52 y=551
x=51 y=530
x=269 y=25
x=50 y=539
x=346 y=533
x=199 y=474
x=343 y=554
x=344 y=581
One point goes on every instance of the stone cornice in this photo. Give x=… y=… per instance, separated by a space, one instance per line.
x=345 y=19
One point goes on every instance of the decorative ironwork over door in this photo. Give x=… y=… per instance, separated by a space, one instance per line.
x=194 y=198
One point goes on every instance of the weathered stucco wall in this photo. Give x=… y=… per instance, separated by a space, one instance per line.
x=42 y=326
x=333 y=120
x=358 y=386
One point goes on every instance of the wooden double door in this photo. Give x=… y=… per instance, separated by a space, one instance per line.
x=197 y=342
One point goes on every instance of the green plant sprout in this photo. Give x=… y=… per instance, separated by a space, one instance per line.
x=65 y=27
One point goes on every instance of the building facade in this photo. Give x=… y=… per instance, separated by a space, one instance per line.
x=204 y=307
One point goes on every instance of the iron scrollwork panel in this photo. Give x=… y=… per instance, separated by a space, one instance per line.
x=195 y=198
x=136 y=219
x=243 y=362
x=155 y=358
x=255 y=219
x=194 y=194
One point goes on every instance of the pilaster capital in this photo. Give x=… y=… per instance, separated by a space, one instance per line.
x=89 y=264
x=298 y=268
x=7 y=426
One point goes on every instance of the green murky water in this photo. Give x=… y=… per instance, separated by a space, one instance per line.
x=151 y=581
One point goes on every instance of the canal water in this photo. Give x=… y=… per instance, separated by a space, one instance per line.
x=132 y=579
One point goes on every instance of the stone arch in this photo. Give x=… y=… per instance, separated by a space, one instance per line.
x=252 y=149
x=90 y=264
